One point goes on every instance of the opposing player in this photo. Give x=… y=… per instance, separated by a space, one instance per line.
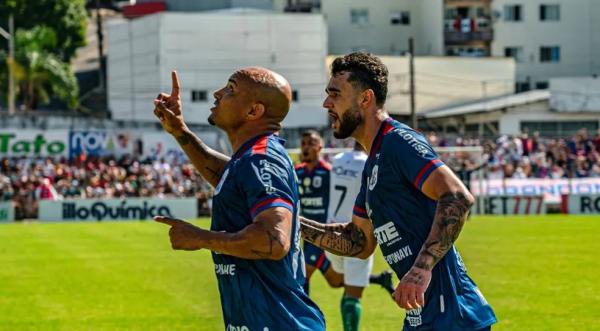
x=313 y=181
x=345 y=185
x=410 y=203
x=254 y=235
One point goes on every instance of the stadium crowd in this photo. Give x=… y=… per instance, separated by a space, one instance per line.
x=27 y=180
x=525 y=156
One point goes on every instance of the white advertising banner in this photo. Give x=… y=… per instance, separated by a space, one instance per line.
x=7 y=211
x=581 y=204
x=34 y=143
x=510 y=205
x=117 y=209
x=551 y=189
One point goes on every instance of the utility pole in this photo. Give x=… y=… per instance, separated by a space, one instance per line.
x=411 y=61
x=11 y=59
x=100 y=45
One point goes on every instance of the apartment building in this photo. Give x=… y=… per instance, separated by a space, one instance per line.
x=547 y=38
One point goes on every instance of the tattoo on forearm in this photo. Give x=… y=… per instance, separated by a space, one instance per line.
x=413 y=277
x=183 y=139
x=340 y=239
x=451 y=213
x=208 y=163
x=275 y=242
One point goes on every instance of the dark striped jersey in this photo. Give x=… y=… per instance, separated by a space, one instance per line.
x=261 y=294
x=314 y=190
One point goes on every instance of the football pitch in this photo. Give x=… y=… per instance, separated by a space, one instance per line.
x=539 y=273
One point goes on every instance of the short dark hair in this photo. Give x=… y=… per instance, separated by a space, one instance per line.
x=366 y=72
x=310 y=133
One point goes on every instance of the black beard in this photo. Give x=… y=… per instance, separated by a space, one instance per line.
x=211 y=121
x=348 y=123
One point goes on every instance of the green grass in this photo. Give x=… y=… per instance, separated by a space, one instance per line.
x=539 y=273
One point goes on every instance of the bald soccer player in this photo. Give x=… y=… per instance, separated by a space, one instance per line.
x=254 y=234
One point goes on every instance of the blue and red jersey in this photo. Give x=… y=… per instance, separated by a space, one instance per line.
x=399 y=163
x=261 y=294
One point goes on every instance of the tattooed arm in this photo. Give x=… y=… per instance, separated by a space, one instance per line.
x=454 y=202
x=207 y=161
x=346 y=239
x=268 y=237
x=168 y=109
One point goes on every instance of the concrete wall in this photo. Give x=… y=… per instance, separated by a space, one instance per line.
x=206 y=48
x=580 y=94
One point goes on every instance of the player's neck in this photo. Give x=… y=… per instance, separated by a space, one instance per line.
x=244 y=133
x=365 y=134
x=312 y=164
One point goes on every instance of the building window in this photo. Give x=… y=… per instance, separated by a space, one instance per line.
x=514 y=52
x=400 y=18
x=513 y=13
x=558 y=129
x=549 y=54
x=549 y=13
x=359 y=16
x=522 y=87
x=199 y=95
x=295 y=95
x=542 y=85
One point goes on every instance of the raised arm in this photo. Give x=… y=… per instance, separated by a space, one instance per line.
x=454 y=202
x=168 y=109
x=355 y=238
x=267 y=237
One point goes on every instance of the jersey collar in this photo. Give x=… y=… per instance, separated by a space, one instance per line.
x=385 y=127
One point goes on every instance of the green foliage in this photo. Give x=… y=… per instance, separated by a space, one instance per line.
x=539 y=274
x=38 y=72
x=68 y=19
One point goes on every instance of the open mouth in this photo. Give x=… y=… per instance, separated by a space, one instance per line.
x=334 y=119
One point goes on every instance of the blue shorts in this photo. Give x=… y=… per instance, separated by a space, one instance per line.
x=314 y=256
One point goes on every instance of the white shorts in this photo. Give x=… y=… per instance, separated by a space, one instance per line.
x=356 y=271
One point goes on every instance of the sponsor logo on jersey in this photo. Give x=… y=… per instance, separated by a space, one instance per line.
x=237 y=328
x=312 y=202
x=373 y=178
x=413 y=142
x=340 y=171
x=225 y=269
x=387 y=234
x=220 y=185
x=398 y=255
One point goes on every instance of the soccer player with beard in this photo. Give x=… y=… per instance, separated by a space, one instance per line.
x=410 y=203
x=254 y=233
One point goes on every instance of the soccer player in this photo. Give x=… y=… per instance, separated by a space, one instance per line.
x=254 y=234
x=345 y=184
x=313 y=183
x=410 y=203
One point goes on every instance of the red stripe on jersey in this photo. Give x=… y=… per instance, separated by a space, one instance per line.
x=325 y=164
x=424 y=171
x=320 y=261
x=260 y=147
x=269 y=201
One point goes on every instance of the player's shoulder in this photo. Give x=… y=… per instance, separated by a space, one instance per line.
x=269 y=148
x=324 y=165
x=400 y=138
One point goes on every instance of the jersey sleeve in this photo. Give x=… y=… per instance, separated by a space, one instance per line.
x=266 y=183
x=360 y=204
x=412 y=156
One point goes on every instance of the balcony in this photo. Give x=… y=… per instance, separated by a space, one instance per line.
x=458 y=37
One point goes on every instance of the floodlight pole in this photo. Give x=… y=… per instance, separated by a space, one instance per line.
x=11 y=58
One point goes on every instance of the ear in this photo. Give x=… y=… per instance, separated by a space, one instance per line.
x=256 y=111
x=367 y=98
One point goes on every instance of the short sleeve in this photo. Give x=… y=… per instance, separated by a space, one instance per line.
x=360 y=205
x=412 y=156
x=266 y=183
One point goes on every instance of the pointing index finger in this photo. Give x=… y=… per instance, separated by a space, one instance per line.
x=166 y=220
x=174 y=84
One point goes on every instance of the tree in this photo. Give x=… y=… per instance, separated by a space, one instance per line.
x=68 y=18
x=38 y=72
